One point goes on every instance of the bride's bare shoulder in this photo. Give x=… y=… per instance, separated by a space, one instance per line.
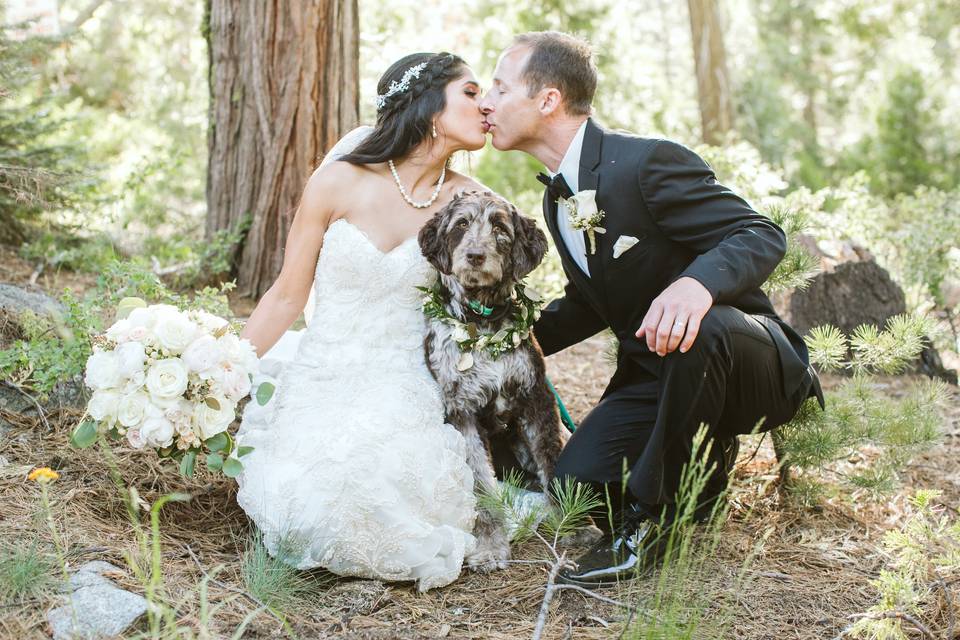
x=337 y=178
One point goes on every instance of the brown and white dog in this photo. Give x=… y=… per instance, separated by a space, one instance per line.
x=482 y=247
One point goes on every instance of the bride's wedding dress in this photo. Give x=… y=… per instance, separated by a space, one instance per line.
x=353 y=467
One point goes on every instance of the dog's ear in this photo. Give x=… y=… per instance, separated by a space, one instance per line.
x=432 y=241
x=529 y=244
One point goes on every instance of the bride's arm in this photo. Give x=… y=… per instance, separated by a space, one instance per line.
x=285 y=299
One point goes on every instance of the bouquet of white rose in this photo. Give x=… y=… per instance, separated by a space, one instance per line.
x=169 y=380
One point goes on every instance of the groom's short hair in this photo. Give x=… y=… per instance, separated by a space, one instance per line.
x=563 y=61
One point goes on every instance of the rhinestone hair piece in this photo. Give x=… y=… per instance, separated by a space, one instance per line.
x=403 y=85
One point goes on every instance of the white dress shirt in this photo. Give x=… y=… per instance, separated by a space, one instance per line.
x=570 y=168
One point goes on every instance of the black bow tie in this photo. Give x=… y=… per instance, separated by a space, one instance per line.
x=557 y=187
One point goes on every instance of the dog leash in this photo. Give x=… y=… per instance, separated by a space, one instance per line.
x=564 y=414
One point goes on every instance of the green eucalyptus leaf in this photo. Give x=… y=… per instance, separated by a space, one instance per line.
x=232 y=467
x=214 y=462
x=187 y=463
x=126 y=305
x=242 y=451
x=84 y=435
x=212 y=402
x=218 y=442
x=265 y=392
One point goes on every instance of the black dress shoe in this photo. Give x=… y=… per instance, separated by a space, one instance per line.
x=636 y=547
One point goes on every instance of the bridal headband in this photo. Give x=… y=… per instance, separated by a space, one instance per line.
x=402 y=85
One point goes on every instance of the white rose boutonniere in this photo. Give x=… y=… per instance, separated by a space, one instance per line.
x=585 y=215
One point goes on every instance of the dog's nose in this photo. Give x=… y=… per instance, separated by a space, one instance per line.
x=475 y=259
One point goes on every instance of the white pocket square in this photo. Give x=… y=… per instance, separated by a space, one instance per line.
x=623 y=243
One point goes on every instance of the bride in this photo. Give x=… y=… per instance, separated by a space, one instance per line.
x=353 y=467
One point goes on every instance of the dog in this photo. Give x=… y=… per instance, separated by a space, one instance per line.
x=482 y=247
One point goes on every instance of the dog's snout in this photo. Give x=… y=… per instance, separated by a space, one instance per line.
x=475 y=258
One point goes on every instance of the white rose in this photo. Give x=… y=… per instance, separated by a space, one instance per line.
x=131 y=356
x=135 y=382
x=235 y=383
x=209 y=321
x=167 y=378
x=209 y=422
x=239 y=351
x=143 y=317
x=103 y=370
x=203 y=354
x=119 y=331
x=135 y=438
x=162 y=403
x=585 y=203
x=132 y=408
x=174 y=331
x=103 y=405
x=157 y=432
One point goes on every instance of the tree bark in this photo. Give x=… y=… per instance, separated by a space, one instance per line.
x=283 y=88
x=710 y=61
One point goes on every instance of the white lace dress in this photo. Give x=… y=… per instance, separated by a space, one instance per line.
x=353 y=467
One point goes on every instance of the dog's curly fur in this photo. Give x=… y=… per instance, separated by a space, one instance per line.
x=482 y=247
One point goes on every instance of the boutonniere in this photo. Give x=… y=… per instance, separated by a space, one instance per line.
x=584 y=214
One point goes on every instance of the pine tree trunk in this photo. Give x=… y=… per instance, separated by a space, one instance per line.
x=283 y=88
x=710 y=61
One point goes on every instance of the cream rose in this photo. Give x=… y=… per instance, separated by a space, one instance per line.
x=103 y=370
x=203 y=354
x=132 y=357
x=209 y=422
x=235 y=384
x=585 y=203
x=103 y=405
x=157 y=432
x=179 y=412
x=135 y=438
x=167 y=378
x=132 y=408
x=239 y=351
x=119 y=330
x=175 y=331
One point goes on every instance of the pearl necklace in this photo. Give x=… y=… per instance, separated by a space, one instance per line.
x=403 y=192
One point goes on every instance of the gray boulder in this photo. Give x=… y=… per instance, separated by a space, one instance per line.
x=96 y=607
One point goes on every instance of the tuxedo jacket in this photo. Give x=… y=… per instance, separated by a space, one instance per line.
x=687 y=224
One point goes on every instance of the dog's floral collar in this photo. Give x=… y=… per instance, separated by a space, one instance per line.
x=479 y=309
x=524 y=310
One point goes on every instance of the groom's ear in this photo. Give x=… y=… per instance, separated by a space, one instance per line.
x=529 y=244
x=433 y=242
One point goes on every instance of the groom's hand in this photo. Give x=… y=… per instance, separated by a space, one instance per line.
x=674 y=315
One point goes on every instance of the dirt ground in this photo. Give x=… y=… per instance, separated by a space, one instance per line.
x=811 y=572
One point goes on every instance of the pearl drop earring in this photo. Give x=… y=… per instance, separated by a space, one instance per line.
x=434 y=131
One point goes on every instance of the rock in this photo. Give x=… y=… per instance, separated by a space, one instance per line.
x=102 y=609
x=853 y=290
x=16 y=299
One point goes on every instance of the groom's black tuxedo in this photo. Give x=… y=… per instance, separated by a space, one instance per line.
x=687 y=224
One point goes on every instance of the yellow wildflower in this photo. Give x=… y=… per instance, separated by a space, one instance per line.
x=43 y=474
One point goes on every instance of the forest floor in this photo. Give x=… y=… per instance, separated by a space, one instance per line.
x=811 y=567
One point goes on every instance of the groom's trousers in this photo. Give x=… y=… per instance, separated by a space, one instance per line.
x=645 y=423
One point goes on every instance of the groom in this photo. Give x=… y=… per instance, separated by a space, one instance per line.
x=674 y=269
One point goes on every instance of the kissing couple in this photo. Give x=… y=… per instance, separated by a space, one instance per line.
x=356 y=466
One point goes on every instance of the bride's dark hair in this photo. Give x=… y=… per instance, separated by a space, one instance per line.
x=406 y=118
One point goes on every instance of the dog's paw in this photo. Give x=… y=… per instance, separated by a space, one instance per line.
x=582 y=537
x=489 y=555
